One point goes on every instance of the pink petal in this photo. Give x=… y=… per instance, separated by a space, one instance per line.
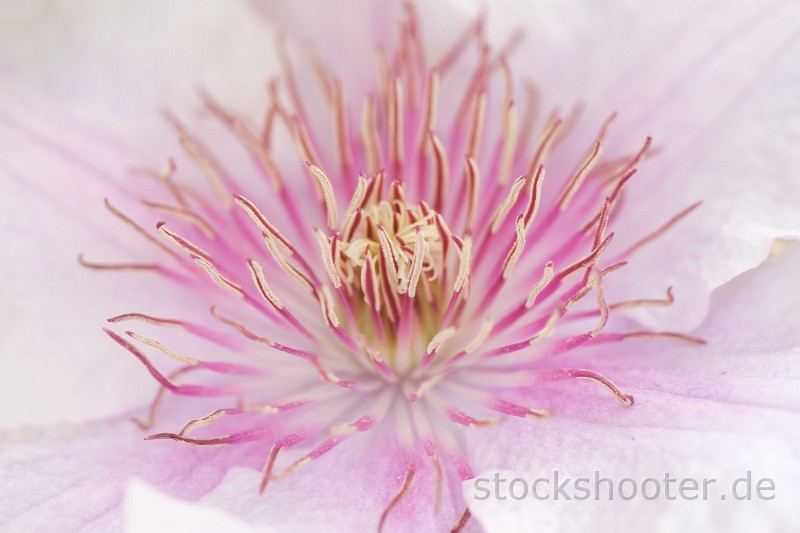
x=716 y=411
x=76 y=476
x=347 y=489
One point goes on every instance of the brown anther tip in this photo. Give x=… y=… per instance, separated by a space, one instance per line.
x=628 y=400
x=160 y=223
x=160 y=436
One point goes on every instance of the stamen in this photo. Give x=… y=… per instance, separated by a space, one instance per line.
x=532 y=102
x=328 y=308
x=180 y=242
x=647 y=334
x=329 y=250
x=261 y=221
x=328 y=195
x=202 y=159
x=441 y=174
x=320 y=72
x=503 y=209
x=547 y=277
x=465 y=252
x=363 y=424
x=117 y=266
x=155 y=344
x=428 y=121
x=138 y=229
x=516 y=248
x=369 y=134
x=356 y=203
x=624 y=399
x=187 y=215
x=476 y=342
x=405 y=487
x=460 y=417
x=669 y=300
x=462 y=521
x=269 y=464
x=660 y=231
x=636 y=160
x=476 y=126
x=588 y=260
x=548 y=137
x=286 y=266
x=244 y=409
x=258 y=149
x=303 y=142
x=218 y=278
x=257 y=273
x=439 y=339
x=420 y=251
x=509 y=135
x=192 y=390
x=472 y=175
x=257 y=338
x=601 y=303
x=577 y=179
x=152 y=413
x=458 y=47
x=342 y=129
x=534 y=197
x=512 y=409
x=396 y=113
x=194 y=329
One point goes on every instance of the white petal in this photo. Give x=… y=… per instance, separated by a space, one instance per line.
x=715 y=84
x=148 y=510
x=83 y=83
x=640 y=454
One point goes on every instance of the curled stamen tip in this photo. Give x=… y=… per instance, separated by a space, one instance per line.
x=626 y=400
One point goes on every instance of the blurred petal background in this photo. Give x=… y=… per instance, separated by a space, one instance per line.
x=716 y=84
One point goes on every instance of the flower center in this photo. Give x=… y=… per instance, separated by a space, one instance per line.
x=393 y=264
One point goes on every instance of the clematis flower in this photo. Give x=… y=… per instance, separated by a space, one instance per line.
x=384 y=276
